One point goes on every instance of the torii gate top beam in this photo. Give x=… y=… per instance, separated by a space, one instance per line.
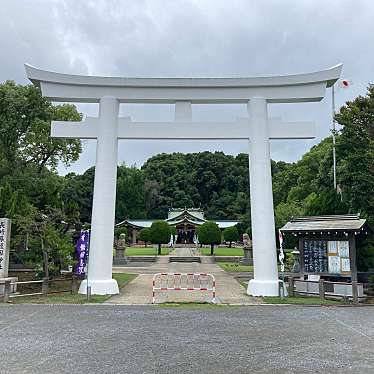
x=277 y=89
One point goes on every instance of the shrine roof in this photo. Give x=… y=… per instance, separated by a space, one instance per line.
x=139 y=223
x=226 y=223
x=192 y=212
x=348 y=222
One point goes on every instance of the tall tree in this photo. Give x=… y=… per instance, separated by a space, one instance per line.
x=25 y=119
x=355 y=151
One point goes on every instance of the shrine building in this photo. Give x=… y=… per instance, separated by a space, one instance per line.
x=185 y=220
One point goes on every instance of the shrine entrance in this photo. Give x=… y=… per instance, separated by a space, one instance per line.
x=186 y=233
x=257 y=93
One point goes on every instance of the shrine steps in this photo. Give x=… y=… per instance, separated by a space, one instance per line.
x=184 y=259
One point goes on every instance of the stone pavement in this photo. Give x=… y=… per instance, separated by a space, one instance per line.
x=139 y=291
x=184 y=252
x=267 y=339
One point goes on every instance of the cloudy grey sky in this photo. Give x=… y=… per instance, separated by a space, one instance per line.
x=192 y=38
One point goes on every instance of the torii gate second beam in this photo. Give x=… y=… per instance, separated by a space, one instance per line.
x=257 y=128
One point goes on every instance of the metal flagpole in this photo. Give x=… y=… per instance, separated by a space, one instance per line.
x=333 y=134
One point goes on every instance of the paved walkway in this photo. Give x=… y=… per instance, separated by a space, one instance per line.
x=184 y=252
x=270 y=339
x=139 y=291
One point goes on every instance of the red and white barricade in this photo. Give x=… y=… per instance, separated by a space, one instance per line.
x=183 y=282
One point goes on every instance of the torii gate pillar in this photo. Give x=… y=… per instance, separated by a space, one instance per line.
x=104 y=202
x=265 y=280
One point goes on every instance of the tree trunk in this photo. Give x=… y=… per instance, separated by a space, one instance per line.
x=230 y=245
x=212 y=249
x=145 y=243
x=159 y=249
x=45 y=260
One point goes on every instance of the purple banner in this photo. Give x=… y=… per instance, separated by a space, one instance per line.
x=82 y=253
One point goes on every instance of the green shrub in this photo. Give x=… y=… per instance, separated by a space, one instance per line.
x=231 y=234
x=209 y=233
x=160 y=233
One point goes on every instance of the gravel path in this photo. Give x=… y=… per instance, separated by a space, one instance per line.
x=152 y=339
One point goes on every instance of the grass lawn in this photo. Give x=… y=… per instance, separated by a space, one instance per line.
x=68 y=298
x=223 y=251
x=233 y=266
x=148 y=251
x=230 y=266
x=300 y=300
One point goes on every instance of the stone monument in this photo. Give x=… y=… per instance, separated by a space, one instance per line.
x=248 y=250
x=5 y=227
x=120 y=258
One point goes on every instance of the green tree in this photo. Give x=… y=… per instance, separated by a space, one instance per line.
x=285 y=211
x=25 y=122
x=355 y=154
x=160 y=233
x=131 y=194
x=209 y=233
x=231 y=234
x=79 y=189
x=215 y=181
x=49 y=245
x=173 y=230
x=145 y=235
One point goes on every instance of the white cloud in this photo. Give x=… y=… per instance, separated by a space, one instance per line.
x=192 y=38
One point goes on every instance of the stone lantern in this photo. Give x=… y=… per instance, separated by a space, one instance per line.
x=120 y=258
x=248 y=250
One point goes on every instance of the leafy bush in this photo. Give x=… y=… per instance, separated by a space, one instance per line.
x=160 y=233
x=231 y=234
x=209 y=233
x=145 y=235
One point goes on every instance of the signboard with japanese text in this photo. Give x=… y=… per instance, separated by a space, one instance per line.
x=315 y=256
x=82 y=253
x=5 y=226
x=326 y=257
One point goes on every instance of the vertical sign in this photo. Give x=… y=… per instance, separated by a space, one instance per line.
x=82 y=253
x=5 y=225
x=281 y=252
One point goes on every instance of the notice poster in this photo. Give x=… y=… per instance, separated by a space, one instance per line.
x=332 y=247
x=334 y=264
x=343 y=249
x=338 y=254
x=346 y=266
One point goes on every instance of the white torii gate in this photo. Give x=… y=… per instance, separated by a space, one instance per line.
x=256 y=92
